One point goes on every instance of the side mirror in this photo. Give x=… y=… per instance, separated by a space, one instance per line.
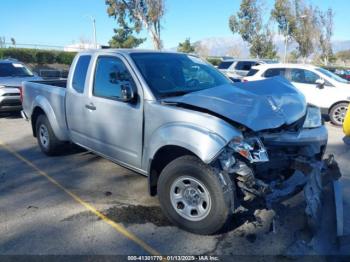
x=127 y=93
x=320 y=83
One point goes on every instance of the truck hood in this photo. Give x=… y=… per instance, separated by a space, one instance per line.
x=258 y=105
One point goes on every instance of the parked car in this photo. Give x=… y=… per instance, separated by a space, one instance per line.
x=206 y=145
x=344 y=74
x=236 y=69
x=346 y=125
x=321 y=87
x=12 y=74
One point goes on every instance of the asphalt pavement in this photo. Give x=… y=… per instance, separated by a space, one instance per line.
x=80 y=204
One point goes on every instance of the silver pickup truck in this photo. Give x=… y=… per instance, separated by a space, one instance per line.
x=207 y=146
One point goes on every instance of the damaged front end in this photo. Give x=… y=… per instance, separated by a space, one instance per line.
x=274 y=165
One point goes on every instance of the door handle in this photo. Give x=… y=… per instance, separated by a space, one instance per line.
x=91 y=107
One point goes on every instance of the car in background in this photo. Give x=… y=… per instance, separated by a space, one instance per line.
x=236 y=69
x=321 y=87
x=12 y=74
x=343 y=73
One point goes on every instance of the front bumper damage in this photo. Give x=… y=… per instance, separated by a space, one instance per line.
x=295 y=163
x=311 y=177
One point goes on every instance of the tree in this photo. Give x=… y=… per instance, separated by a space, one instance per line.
x=344 y=56
x=141 y=14
x=186 y=47
x=306 y=30
x=13 y=41
x=282 y=13
x=297 y=21
x=248 y=23
x=124 y=38
x=2 y=42
x=325 y=35
x=202 y=50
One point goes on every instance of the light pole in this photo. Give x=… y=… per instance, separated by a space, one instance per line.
x=286 y=43
x=94 y=30
x=304 y=17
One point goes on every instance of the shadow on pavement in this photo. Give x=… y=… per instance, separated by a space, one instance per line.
x=10 y=115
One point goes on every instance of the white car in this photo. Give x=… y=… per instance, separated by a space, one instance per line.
x=12 y=74
x=236 y=69
x=321 y=87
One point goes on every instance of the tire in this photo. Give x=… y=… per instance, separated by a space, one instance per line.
x=48 y=142
x=337 y=113
x=204 y=218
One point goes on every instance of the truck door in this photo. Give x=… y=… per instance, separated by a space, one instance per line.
x=114 y=127
x=76 y=99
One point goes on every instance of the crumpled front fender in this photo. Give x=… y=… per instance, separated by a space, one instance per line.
x=202 y=142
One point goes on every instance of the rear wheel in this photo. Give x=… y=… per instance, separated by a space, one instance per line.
x=191 y=196
x=337 y=113
x=48 y=142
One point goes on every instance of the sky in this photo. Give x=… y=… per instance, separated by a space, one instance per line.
x=63 y=22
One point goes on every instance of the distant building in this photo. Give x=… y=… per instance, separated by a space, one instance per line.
x=80 y=47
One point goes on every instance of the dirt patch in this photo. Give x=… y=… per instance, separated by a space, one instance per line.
x=128 y=215
x=138 y=215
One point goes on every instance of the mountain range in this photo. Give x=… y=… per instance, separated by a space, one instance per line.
x=235 y=46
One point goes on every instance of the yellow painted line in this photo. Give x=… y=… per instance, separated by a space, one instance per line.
x=118 y=227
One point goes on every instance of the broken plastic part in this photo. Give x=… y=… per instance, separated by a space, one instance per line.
x=251 y=149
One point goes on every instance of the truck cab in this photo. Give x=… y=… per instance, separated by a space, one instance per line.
x=204 y=143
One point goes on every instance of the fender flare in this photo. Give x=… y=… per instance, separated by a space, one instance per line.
x=42 y=103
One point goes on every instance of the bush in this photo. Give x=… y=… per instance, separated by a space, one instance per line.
x=37 y=56
x=214 y=61
x=45 y=57
x=23 y=55
x=65 y=57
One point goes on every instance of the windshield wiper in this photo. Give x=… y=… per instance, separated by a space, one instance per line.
x=175 y=93
x=23 y=75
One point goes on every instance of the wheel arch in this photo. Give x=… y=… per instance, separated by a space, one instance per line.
x=35 y=115
x=184 y=138
x=42 y=106
x=162 y=157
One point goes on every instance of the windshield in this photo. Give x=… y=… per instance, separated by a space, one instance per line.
x=176 y=74
x=14 y=70
x=332 y=75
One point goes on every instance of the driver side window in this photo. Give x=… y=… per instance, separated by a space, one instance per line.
x=303 y=76
x=110 y=76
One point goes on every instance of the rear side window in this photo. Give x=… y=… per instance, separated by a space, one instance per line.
x=252 y=72
x=275 y=72
x=80 y=73
x=225 y=64
x=245 y=66
x=110 y=77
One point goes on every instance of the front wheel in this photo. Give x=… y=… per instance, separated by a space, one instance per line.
x=192 y=197
x=337 y=113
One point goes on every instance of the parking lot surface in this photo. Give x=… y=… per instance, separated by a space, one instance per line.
x=81 y=204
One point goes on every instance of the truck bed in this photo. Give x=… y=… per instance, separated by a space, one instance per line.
x=57 y=82
x=50 y=95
